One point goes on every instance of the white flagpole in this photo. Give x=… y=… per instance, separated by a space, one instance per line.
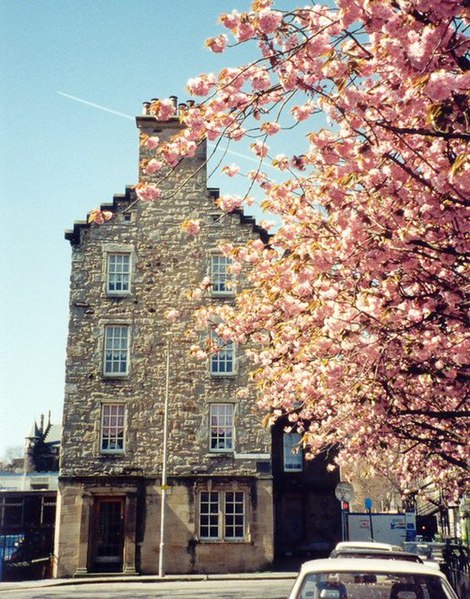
x=164 y=486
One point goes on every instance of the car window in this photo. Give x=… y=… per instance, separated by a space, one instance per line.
x=365 y=585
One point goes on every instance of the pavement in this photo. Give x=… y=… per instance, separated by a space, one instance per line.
x=52 y=582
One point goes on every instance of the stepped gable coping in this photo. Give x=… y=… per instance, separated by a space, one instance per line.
x=244 y=219
x=73 y=235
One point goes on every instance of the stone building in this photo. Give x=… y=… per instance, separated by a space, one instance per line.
x=125 y=358
x=126 y=275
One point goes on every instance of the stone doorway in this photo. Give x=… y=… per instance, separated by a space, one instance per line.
x=107 y=538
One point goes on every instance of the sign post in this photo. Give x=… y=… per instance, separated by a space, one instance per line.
x=368 y=504
x=344 y=493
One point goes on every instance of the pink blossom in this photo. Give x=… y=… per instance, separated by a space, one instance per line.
x=281 y=161
x=229 y=202
x=236 y=133
x=235 y=268
x=147 y=192
x=270 y=128
x=244 y=32
x=232 y=79
x=173 y=315
x=260 y=149
x=230 y=20
x=414 y=315
x=201 y=86
x=379 y=10
x=186 y=147
x=301 y=113
x=192 y=227
x=153 y=166
x=152 y=142
x=262 y=4
x=257 y=176
x=269 y=20
x=197 y=352
x=206 y=282
x=319 y=45
x=260 y=80
x=441 y=84
x=162 y=109
x=196 y=294
x=99 y=216
x=231 y=169
x=217 y=44
x=267 y=224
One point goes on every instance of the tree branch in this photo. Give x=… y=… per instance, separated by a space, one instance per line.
x=422 y=131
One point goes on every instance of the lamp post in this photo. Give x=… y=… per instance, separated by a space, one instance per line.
x=164 y=486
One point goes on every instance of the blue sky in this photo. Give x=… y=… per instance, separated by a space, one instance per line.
x=60 y=158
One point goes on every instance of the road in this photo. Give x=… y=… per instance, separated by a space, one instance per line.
x=213 y=589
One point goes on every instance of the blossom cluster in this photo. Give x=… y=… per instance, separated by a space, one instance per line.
x=99 y=216
x=356 y=313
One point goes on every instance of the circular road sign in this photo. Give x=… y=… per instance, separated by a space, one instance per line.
x=344 y=491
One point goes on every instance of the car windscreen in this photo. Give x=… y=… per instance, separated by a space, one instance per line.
x=373 y=585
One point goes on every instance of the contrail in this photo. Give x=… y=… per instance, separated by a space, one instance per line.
x=98 y=106
x=128 y=116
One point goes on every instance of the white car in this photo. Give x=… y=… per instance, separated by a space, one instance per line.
x=372 y=548
x=369 y=579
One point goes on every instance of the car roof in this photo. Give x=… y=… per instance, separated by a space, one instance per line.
x=358 y=551
x=367 y=545
x=346 y=564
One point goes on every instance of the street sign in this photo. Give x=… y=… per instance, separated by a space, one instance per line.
x=344 y=491
x=368 y=503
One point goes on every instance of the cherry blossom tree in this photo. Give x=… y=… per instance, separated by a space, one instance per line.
x=356 y=315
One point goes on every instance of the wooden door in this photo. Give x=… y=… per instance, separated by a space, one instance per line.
x=107 y=535
x=289 y=524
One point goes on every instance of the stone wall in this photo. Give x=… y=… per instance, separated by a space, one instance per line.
x=167 y=264
x=184 y=552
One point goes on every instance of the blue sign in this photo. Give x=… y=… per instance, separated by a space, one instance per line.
x=368 y=503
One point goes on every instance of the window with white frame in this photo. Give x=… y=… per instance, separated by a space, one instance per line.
x=209 y=515
x=221 y=278
x=113 y=424
x=116 y=350
x=222 y=363
x=119 y=274
x=222 y=515
x=221 y=427
x=293 y=454
x=234 y=516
